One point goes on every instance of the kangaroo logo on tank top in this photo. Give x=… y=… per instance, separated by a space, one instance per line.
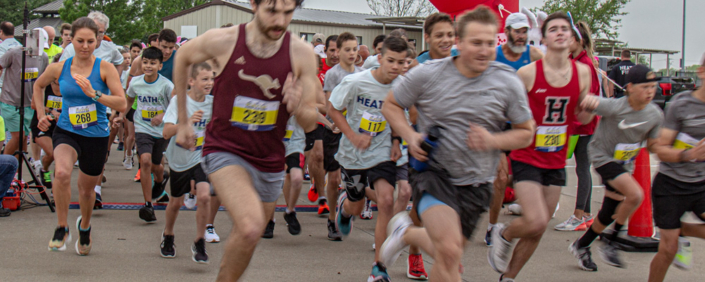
x=264 y=82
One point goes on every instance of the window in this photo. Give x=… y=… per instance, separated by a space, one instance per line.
x=359 y=40
x=307 y=36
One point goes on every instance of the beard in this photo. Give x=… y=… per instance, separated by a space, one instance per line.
x=266 y=29
x=518 y=49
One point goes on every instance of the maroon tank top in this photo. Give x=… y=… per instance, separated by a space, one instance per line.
x=249 y=118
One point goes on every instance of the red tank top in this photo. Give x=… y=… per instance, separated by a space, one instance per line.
x=324 y=69
x=554 y=113
x=588 y=129
x=249 y=118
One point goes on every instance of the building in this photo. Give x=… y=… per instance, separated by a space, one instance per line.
x=49 y=17
x=305 y=23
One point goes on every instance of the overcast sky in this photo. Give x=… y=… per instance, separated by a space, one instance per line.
x=650 y=24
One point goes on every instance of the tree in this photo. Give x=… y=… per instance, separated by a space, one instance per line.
x=125 y=16
x=601 y=15
x=401 y=8
x=155 y=10
x=12 y=10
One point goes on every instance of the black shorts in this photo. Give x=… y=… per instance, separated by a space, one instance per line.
x=356 y=180
x=469 y=201
x=36 y=133
x=403 y=172
x=610 y=171
x=295 y=160
x=181 y=180
x=147 y=144
x=311 y=137
x=331 y=142
x=526 y=172
x=668 y=209
x=91 y=151
x=130 y=115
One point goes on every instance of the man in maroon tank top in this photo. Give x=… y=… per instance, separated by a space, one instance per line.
x=259 y=84
x=555 y=86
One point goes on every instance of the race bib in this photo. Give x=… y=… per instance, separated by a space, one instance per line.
x=253 y=114
x=289 y=132
x=371 y=124
x=551 y=138
x=200 y=137
x=31 y=74
x=53 y=102
x=149 y=112
x=83 y=117
x=404 y=145
x=626 y=153
x=684 y=141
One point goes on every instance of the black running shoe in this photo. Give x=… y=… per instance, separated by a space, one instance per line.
x=98 y=202
x=610 y=255
x=333 y=233
x=147 y=214
x=584 y=257
x=292 y=223
x=167 y=246
x=121 y=146
x=269 y=231
x=199 y=251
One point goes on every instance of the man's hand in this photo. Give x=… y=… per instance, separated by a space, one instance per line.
x=292 y=93
x=479 y=139
x=696 y=153
x=361 y=141
x=117 y=122
x=185 y=137
x=590 y=103
x=396 y=152
x=196 y=117
x=157 y=120
x=45 y=122
x=415 y=147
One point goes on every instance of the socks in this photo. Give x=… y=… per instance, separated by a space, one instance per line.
x=97 y=189
x=147 y=204
x=342 y=211
x=617 y=228
x=490 y=226
x=322 y=198
x=587 y=238
x=288 y=211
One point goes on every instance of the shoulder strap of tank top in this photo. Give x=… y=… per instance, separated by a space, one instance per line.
x=575 y=78
x=241 y=36
x=500 y=53
x=540 y=80
x=527 y=53
x=96 y=68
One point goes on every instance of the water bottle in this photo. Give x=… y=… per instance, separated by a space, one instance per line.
x=431 y=142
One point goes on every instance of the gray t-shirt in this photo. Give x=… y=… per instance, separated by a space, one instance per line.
x=363 y=96
x=371 y=62
x=622 y=131
x=443 y=96
x=295 y=138
x=686 y=115
x=179 y=158
x=107 y=51
x=11 y=62
x=152 y=99
x=335 y=75
x=4 y=46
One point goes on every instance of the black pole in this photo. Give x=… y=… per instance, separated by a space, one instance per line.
x=23 y=140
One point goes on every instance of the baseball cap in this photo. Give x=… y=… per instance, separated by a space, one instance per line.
x=517 y=21
x=318 y=37
x=639 y=73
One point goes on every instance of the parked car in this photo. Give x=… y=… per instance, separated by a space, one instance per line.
x=669 y=86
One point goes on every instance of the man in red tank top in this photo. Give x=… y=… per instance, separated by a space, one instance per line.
x=555 y=86
x=259 y=84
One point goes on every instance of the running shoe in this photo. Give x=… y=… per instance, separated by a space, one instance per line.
x=307 y=177
x=312 y=193
x=147 y=214
x=211 y=236
x=323 y=208
x=98 y=202
x=367 y=211
x=269 y=230
x=584 y=257
x=167 y=249
x=514 y=209
x=414 y=268
x=84 y=242
x=190 y=201
x=61 y=238
x=505 y=279
x=198 y=249
x=588 y=221
x=292 y=224
x=6 y=212
x=121 y=146
x=488 y=237
x=378 y=274
x=46 y=179
x=333 y=233
x=137 y=176
x=610 y=255
x=500 y=252
x=344 y=224
x=558 y=206
x=394 y=244
x=571 y=224
x=127 y=163
x=37 y=168
x=75 y=164
x=684 y=257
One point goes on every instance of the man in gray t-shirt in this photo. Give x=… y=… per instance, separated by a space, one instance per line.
x=472 y=100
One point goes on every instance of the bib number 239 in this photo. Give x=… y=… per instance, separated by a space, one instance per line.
x=253 y=114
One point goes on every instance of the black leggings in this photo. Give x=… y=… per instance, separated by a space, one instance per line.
x=582 y=169
x=609 y=208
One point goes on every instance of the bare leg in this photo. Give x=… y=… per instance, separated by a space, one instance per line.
x=295 y=179
x=633 y=195
x=172 y=211
x=204 y=201
x=332 y=192
x=45 y=144
x=667 y=249
x=130 y=139
x=314 y=158
x=215 y=205
x=146 y=176
x=385 y=211
x=65 y=158
x=86 y=197
x=500 y=185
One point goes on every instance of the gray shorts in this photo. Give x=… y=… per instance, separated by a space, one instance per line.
x=403 y=172
x=267 y=184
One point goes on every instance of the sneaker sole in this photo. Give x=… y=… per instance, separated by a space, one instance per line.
x=193 y=258
x=145 y=214
x=607 y=262
x=213 y=241
x=574 y=252
x=78 y=227
x=167 y=256
x=62 y=248
x=568 y=230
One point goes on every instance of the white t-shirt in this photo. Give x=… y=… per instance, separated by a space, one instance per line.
x=179 y=158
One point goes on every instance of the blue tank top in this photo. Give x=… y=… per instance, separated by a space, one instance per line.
x=168 y=67
x=524 y=60
x=79 y=113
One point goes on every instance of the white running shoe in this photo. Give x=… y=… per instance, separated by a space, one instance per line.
x=211 y=236
x=514 y=209
x=558 y=206
x=190 y=201
x=127 y=163
x=500 y=252
x=367 y=211
x=394 y=244
x=684 y=257
x=571 y=224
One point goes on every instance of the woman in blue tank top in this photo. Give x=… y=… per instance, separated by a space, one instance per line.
x=88 y=85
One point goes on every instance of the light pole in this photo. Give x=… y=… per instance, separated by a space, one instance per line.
x=683 y=43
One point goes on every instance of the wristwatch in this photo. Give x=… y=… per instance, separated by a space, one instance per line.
x=97 y=95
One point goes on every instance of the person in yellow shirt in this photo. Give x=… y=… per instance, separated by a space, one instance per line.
x=52 y=49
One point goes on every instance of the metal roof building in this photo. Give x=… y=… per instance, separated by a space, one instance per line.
x=50 y=17
x=305 y=22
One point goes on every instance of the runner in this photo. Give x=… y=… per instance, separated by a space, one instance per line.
x=440 y=36
x=295 y=141
x=259 y=84
x=52 y=101
x=582 y=219
x=368 y=153
x=185 y=165
x=516 y=53
x=556 y=86
x=456 y=188
x=638 y=121
x=679 y=186
x=81 y=133
x=152 y=92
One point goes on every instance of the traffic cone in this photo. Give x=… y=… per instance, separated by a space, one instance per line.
x=641 y=222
